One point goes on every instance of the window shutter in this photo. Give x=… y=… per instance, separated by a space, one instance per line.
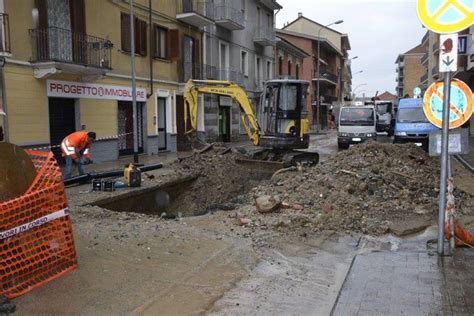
x=196 y=52
x=125 y=32
x=143 y=38
x=154 y=42
x=174 y=44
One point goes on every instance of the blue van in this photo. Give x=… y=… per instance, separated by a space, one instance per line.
x=411 y=125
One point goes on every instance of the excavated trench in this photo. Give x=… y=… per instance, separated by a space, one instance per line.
x=188 y=196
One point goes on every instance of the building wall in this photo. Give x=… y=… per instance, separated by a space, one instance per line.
x=237 y=41
x=26 y=98
x=412 y=73
x=304 y=26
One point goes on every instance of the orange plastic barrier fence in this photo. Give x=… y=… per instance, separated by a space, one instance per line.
x=463 y=237
x=36 y=241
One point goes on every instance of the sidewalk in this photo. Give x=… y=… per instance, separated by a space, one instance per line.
x=408 y=283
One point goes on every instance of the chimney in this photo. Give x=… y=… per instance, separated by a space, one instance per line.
x=300 y=14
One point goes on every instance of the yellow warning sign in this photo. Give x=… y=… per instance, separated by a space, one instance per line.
x=446 y=16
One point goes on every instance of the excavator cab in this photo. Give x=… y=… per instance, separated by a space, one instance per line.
x=283 y=114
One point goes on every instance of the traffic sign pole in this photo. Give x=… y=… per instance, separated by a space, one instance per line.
x=444 y=162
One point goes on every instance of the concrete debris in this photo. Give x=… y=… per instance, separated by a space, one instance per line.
x=267 y=203
x=364 y=189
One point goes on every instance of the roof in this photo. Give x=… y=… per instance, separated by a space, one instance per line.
x=291 y=48
x=312 y=21
x=387 y=96
x=325 y=43
x=271 y=4
x=419 y=49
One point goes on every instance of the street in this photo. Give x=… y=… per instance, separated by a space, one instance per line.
x=277 y=264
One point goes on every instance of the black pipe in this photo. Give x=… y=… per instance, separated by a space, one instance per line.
x=152 y=47
x=107 y=174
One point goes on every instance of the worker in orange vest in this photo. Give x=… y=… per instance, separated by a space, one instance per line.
x=75 y=147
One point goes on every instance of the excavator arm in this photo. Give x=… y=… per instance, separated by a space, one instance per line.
x=193 y=88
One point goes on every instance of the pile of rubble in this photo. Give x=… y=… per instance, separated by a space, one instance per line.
x=219 y=183
x=363 y=189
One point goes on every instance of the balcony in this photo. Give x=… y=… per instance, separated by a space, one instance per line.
x=197 y=71
x=265 y=36
x=424 y=78
x=325 y=77
x=425 y=58
x=229 y=17
x=435 y=72
x=196 y=13
x=5 y=49
x=231 y=75
x=61 y=50
x=435 y=47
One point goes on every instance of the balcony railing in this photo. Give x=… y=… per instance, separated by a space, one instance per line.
x=199 y=13
x=435 y=46
x=5 y=48
x=231 y=75
x=424 y=78
x=62 y=45
x=229 y=17
x=425 y=58
x=435 y=71
x=197 y=71
x=325 y=74
x=264 y=36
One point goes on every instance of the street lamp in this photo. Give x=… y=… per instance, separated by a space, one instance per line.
x=358 y=86
x=319 y=74
x=360 y=71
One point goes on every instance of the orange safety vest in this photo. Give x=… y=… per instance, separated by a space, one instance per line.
x=76 y=141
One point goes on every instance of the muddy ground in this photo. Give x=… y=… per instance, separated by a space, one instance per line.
x=234 y=260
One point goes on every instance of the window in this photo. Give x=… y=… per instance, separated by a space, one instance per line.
x=258 y=71
x=224 y=61
x=244 y=63
x=243 y=8
x=297 y=71
x=280 y=65
x=160 y=49
x=140 y=34
x=289 y=68
x=269 y=21
x=269 y=69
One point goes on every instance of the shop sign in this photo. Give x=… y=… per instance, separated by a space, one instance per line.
x=80 y=90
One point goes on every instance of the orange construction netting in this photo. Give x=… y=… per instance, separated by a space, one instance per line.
x=36 y=241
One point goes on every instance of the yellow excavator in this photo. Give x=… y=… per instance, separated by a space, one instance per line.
x=281 y=127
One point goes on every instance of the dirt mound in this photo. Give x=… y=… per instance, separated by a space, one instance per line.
x=364 y=189
x=219 y=180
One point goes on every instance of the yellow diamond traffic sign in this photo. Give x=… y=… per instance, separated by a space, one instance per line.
x=446 y=16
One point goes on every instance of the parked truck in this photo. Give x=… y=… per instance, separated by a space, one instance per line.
x=357 y=124
x=411 y=125
x=384 y=111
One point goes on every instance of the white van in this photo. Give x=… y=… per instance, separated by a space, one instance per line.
x=356 y=125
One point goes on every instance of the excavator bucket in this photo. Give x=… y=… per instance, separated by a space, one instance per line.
x=17 y=171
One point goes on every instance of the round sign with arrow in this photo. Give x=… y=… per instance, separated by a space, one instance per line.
x=461 y=104
x=446 y=16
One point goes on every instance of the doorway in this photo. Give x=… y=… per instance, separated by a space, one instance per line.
x=224 y=123
x=62 y=122
x=161 y=122
x=125 y=127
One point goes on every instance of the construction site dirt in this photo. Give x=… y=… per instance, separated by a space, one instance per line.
x=144 y=251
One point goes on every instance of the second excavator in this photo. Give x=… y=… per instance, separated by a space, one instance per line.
x=281 y=129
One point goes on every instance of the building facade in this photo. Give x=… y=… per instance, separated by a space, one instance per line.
x=289 y=59
x=409 y=71
x=238 y=45
x=68 y=72
x=334 y=72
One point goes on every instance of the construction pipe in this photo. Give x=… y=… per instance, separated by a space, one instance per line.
x=107 y=174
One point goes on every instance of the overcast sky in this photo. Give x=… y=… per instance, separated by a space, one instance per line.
x=378 y=31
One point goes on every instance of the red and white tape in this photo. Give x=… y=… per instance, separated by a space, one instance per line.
x=98 y=139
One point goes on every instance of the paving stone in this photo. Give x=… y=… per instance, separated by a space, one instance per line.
x=418 y=284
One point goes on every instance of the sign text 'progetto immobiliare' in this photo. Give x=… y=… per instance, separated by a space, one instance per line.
x=80 y=90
